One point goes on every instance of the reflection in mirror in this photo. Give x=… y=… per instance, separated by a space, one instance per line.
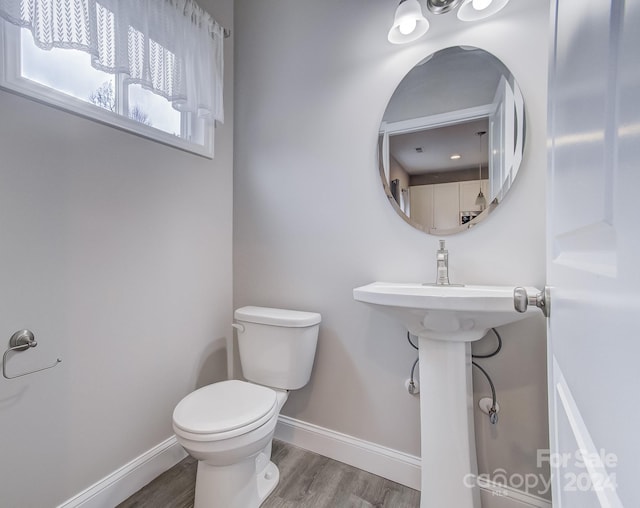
x=451 y=140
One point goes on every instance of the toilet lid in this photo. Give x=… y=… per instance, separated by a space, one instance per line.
x=223 y=406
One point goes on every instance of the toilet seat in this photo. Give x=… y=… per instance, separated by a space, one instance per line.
x=224 y=410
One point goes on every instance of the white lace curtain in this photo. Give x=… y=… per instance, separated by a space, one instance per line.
x=171 y=47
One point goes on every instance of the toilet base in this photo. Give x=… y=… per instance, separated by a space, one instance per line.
x=267 y=481
x=242 y=485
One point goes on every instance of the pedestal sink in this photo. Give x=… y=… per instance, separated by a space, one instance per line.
x=446 y=319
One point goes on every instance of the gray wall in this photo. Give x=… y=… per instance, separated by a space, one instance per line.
x=311 y=220
x=116 y=252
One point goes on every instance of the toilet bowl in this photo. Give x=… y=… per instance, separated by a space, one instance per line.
x=228 y=426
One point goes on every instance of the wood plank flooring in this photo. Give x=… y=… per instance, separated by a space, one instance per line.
x=307 y=480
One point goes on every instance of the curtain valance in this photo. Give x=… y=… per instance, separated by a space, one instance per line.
x=172 y=47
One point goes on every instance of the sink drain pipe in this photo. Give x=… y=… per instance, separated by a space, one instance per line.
x=493 y=410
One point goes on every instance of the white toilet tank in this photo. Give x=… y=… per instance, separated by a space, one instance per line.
x=277 y=346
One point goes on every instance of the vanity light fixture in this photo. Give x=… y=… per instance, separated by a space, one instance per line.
x=481 y=201
x=474 y=10
x=455 y=157
x=409 y=24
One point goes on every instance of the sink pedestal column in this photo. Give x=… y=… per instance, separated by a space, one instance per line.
x=446 y=319
x=448 y=444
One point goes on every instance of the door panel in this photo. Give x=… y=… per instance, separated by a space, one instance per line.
x=496 y=144
x=593 y=253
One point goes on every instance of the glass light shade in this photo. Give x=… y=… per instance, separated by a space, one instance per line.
x=480 y=5
x=481 y=200
x=474 y=10
x=409 y=24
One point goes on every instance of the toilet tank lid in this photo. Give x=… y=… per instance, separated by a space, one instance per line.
x=277 y=317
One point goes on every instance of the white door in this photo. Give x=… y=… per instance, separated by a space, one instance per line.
x=502 y=125
x=496 y=144
x=594 y=254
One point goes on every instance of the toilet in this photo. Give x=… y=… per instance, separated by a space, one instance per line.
x=228 y=426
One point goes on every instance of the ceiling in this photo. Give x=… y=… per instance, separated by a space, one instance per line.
x=438 y=145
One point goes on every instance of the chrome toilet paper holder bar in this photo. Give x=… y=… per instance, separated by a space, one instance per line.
x=22 y=340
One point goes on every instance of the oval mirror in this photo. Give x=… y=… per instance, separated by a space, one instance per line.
x=451 y=140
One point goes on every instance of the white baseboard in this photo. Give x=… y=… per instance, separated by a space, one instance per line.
x=130 y=478
x=391 y=464
x=396 y=466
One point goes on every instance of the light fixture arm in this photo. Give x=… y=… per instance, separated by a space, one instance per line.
x=442 y=6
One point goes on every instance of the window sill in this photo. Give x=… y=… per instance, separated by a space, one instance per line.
x=49 y=97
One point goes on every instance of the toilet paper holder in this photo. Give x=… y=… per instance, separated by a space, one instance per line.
x=22 y=340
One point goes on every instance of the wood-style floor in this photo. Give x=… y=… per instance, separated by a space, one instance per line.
x=307 y=480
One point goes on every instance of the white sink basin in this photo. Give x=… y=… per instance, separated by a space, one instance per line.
x=450 y=313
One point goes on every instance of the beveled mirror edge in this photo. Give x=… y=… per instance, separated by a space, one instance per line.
x=491 y=206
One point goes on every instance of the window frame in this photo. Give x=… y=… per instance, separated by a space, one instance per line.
x=12 y=80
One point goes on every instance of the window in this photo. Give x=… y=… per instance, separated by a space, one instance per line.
x=128 y=64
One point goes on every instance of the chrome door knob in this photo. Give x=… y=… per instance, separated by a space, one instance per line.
x=522 y=300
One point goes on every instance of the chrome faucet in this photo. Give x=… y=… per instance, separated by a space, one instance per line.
x=443 y=266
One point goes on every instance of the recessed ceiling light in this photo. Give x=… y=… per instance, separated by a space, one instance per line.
x=455 y=157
